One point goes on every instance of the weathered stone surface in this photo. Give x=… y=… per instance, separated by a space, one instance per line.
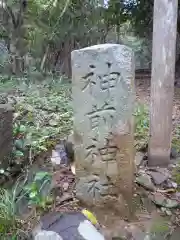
x=69 y=226
x=103 y=101
x=145 y=181
x=6 y=132
x=158 y=177
x=139 y=158
x=47 y=235
x=161 y=200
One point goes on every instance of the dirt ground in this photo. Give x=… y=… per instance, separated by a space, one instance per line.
x=142 y=84
x=64 y=180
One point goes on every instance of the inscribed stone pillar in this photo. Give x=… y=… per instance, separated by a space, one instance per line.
x=103 y=102
x=6 y=133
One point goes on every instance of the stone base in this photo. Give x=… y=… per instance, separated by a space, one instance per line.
x=158 y=160
x=110 y=207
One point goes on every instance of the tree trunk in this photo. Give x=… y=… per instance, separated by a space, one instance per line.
x=162 y=82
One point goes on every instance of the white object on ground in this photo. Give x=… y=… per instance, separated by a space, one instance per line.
x=89 y=232
x=55 y=157
x=47 y=235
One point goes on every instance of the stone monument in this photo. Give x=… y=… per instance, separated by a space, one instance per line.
x=103 y=102
x=6 y=133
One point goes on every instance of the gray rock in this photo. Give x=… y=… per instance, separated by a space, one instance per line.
x=69 y=226
x=47 y=235
x=161 y=200
x=145 y=181
x=171 y=184
x=166 y=211
x=55 y=157
x=103 y=101
x=139 y=158
x=158 y=177
x=174 y=153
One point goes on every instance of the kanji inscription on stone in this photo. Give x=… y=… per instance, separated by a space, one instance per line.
x=105 y=81
x=103 y=103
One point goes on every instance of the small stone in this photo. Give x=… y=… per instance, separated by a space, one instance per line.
x=174 y=153
x=161 y=200
x=139 y=158
x=174 y=184
x=158 y=177
x=145 y=181
x=166 y=211
x=73 y=168
x=55 y=157
x=47 y=235
x=88 y=231
x=61 y=150
x=158 y=199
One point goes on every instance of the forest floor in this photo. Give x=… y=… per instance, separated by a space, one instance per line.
x=154 y=219
x=46 y=107
x=156 y=212
x=143 y=95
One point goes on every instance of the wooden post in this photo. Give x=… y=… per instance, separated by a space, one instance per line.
x=162 y=81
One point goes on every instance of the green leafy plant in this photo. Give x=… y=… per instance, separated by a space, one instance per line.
x=141 y=125
x=160 y=228
x=176 y=139
x=43 y=113
x=176 y=174
x=19 y=148
x=34 y=190
x=19 y=133
x=10 y=223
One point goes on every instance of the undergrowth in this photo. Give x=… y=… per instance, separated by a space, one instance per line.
x=43 y=113
x=176 y=139
x=10 y=223
x=142 y=129
x=141 y=126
